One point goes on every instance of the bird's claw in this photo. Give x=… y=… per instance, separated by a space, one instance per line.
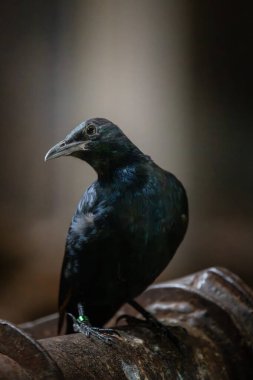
x=153 y=324
x=166 y=331
x=105 y=335
x=148 y=321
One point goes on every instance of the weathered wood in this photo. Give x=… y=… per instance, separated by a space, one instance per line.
x=213 y=310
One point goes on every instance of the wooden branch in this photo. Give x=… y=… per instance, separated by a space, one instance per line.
x=213 y=310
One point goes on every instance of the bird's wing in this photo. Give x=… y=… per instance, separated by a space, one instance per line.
x=87 y=237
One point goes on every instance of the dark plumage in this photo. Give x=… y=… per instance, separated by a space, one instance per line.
x=127 y=226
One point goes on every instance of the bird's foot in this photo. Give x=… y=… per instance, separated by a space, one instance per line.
x=82 y=325
x=153 y=323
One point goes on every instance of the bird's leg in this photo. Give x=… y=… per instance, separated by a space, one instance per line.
x=82 y=325
x=151 y=321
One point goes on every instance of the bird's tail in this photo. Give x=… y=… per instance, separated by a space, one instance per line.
x=62 y=311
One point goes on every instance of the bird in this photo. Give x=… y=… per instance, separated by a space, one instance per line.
x=126 y=228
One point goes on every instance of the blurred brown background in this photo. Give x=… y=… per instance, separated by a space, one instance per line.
x=175 y=75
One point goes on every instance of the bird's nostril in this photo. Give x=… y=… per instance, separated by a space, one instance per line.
x=62 y=144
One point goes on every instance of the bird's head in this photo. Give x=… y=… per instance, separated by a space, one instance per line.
x=97 y=141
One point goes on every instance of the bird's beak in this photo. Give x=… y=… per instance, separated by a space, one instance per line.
x=64 y=148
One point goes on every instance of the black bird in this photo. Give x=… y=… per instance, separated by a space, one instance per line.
x=127 y=226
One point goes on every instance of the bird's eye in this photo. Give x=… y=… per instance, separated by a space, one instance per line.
x=90 y=129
